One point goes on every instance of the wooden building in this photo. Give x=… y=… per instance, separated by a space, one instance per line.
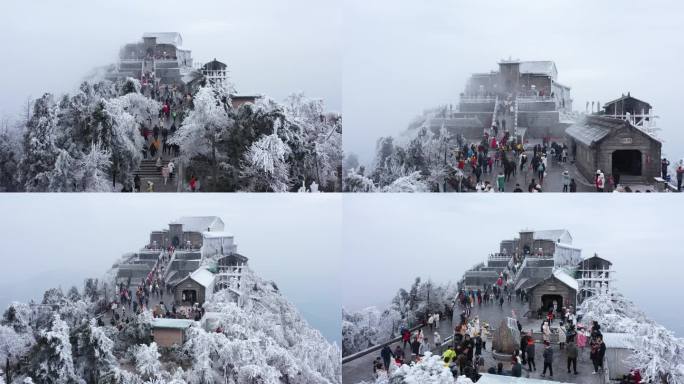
x=616 y=147
x=169 y=332
x=559 y=288
x=195 y=288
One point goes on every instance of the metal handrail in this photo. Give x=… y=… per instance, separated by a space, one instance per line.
x=374 y=348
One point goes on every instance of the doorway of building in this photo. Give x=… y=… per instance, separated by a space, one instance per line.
x=627 y=162
x=189 y=296
x=175 y=241
x=548 y=301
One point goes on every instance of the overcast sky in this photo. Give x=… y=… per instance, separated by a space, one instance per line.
x=401 y=57
x=391 y=239
x=271 y=47
x=60 y=239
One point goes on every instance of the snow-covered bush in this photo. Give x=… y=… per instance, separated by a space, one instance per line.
x=147 y=360
x=409 y=183
x=430 y=370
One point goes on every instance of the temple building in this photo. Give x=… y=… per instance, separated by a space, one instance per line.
x=187 y=232
x=158 y=53
x=522 y=97
x=546 y=266
x=537 y=80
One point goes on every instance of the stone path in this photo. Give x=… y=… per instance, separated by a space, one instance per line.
x=493 y=314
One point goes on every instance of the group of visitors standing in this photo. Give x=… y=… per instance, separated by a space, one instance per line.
x=502 y=156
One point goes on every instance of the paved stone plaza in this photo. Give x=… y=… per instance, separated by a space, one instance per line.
x=362 y=369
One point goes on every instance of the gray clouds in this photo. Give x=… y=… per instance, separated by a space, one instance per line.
x=270 y=46
x=401 y=57
x=391 y=239
x=60 y=239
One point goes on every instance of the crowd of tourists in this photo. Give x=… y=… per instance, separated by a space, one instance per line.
x=489 y=165
x=156 y=136
x=560 y=332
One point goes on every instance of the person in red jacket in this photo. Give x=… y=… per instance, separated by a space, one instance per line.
x=193 y=183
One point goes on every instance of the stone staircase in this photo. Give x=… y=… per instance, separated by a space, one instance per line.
x=148 y=172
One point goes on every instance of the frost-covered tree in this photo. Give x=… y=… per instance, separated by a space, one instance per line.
x=205 y=126
x=147 y=361
x=368 y=327
x=421 y=148
x=264 y=167
x=93 y=168
x=121 y=135
x=10 y=157
x=371 y=326
x=13 y=343
x=355 y=181
x=97 y=349
x=54 y=361
x=314 y=138
x=39 y=147
x=351 y=161
x=264 y=340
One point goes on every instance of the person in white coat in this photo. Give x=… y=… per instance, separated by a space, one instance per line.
x=171 y=168
x=546 y=330
x=438 y=343
x=562 y=336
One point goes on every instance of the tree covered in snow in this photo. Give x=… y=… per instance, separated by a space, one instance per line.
x=10 y=157
x=368 y=327
x=265 y=167
x=371 y=326
x=86 y=142
x=205 y=127
x=147 y=361
x=261 y=339
x=355 y=181
x=13 y=343
x=315 y=139
x=120 y=135
x=55 y=363
x=92 y=141
x=418 y=160
x=657 y=353
x=98 y=352
x=40 y=149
